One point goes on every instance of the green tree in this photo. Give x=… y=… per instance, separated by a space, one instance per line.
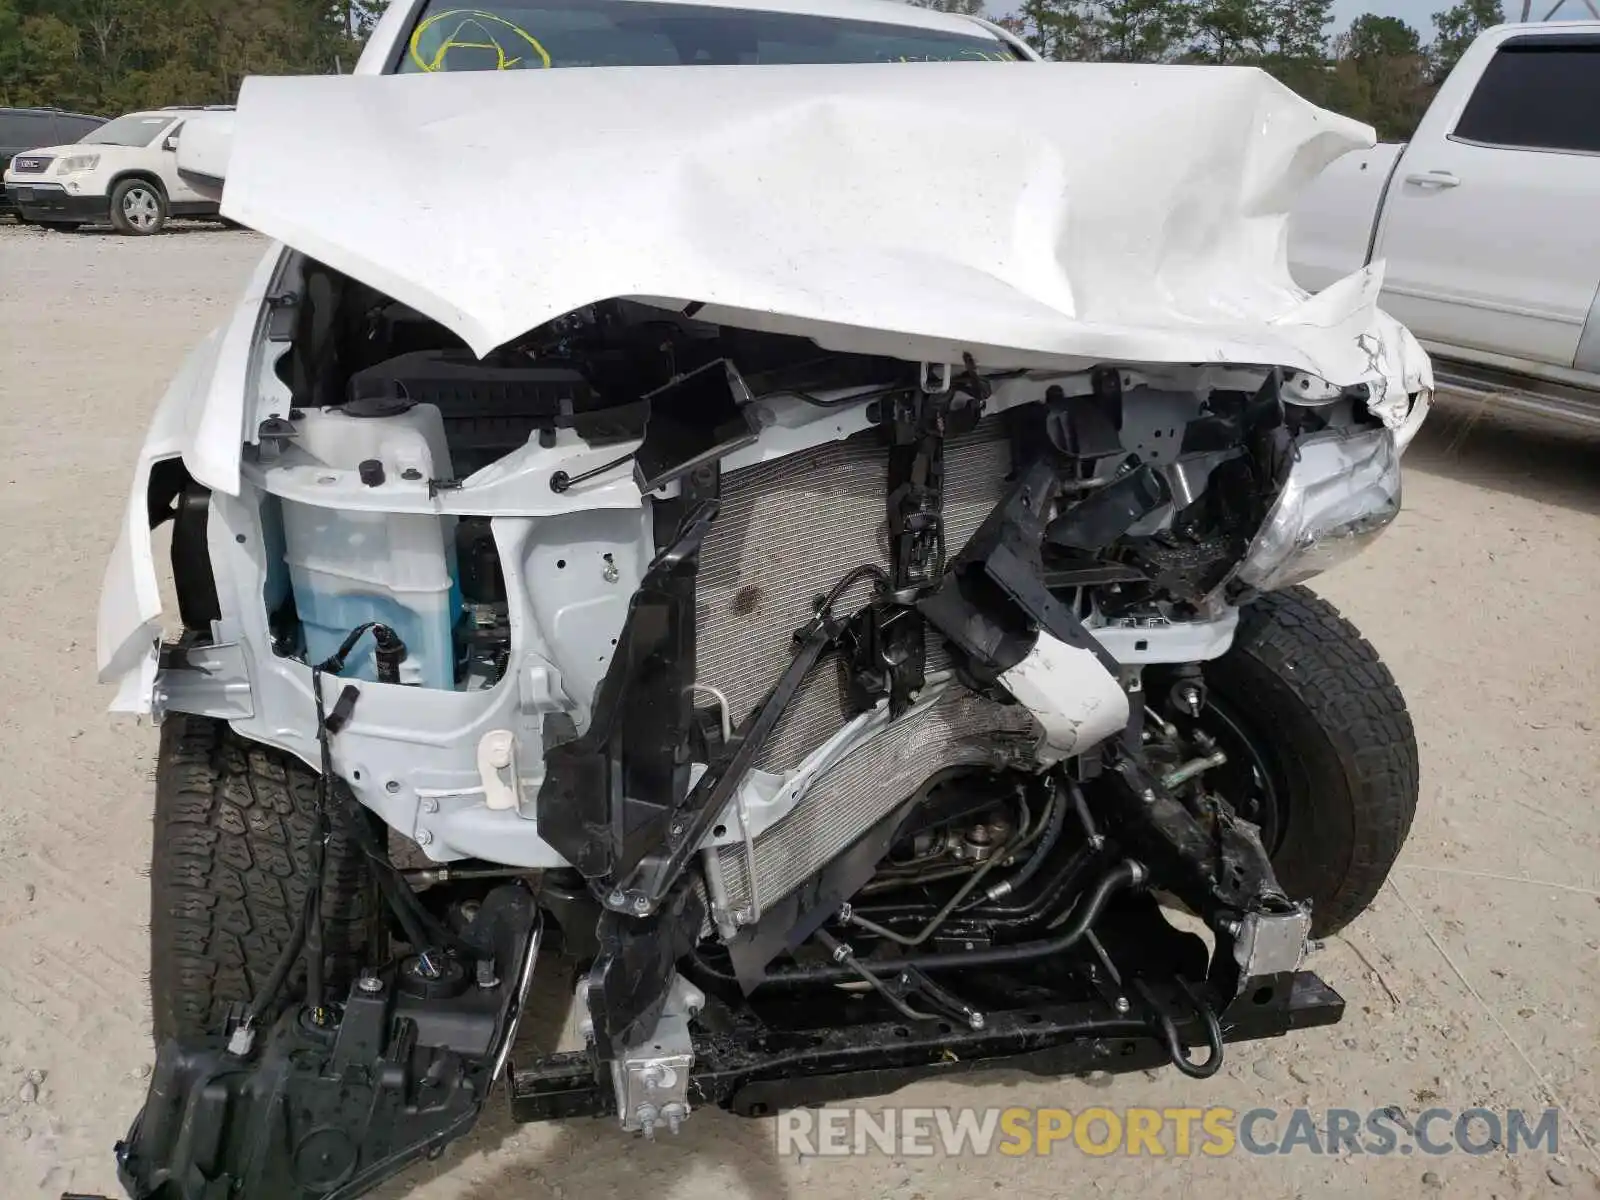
x=1375 y=37
x=1457 y=27
x=1143 y=30
x=1231 y=31
x=1297 y=30
x=971 y=8
x=1065 y=30
x=1384 y=60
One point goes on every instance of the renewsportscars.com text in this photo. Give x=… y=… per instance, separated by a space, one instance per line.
x=1159 y=1132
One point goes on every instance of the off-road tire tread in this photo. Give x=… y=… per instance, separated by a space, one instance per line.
x=1322 y=658
x=233 y=827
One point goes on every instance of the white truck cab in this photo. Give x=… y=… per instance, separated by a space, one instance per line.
x=125 y=172
x=1485 y=221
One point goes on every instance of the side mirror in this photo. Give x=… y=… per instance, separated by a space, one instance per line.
x=170 y=142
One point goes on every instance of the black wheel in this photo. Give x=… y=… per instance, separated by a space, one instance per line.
x=1321 y=751
x=233 y=826
x=138 y=207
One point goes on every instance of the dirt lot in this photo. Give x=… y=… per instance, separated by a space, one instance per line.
x=1472 y=982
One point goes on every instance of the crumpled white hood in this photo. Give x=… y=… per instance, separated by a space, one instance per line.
x=1028 y=214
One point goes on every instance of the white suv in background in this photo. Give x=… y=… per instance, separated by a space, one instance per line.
x=125 y=172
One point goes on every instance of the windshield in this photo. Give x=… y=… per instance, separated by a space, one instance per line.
x=628 y=33
x=140 y=129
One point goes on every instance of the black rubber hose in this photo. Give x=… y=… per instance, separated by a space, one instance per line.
x=1041 y=852
x=1126 y=874
x=268 y=992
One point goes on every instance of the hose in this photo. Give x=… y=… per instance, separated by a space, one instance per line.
x=1126 y=875
x=1022 y=838
x=1052 y=825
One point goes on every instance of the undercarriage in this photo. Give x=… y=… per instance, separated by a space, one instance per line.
x=845 y=721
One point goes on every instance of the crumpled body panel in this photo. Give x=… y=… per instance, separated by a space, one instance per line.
x=1028 y=214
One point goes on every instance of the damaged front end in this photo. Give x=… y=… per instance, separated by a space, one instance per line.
x=839 y=705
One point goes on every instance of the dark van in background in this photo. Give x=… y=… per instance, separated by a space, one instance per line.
x=26 y=128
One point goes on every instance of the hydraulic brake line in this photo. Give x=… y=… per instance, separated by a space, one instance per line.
x=1021 y=839
x=1126 y=875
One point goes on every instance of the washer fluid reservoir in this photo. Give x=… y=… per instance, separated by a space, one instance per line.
x=348 y=568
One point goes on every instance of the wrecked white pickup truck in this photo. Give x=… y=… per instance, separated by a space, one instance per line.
x=814 y=536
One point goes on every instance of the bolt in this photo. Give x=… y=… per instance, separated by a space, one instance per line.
x=976 y=1020
x=674 y=1114
x=611 y=574
x=646 y=1115
x=430 y=806
x=659 y=1076
x=1122 y=1006
x=370 y=984
x=616 y=899
x=426 y=967
x=424 y=837
x=392 y=786
x=641 y=904
x=1148 y=795
x=1231 y=927
x=842 y=951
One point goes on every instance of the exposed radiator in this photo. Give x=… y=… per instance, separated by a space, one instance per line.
x=787 y=532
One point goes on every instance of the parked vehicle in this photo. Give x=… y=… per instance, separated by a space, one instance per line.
x=124 y=172
x=1484 y=223
x=783 y=532
x=23 y=128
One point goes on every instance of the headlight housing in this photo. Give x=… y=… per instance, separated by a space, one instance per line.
x=1341 y=493
x=74 y=163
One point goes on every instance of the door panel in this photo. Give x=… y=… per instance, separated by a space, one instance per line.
x=177 y=190
x=1491 y=234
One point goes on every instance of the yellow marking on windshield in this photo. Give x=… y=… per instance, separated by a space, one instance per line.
x=472 y=23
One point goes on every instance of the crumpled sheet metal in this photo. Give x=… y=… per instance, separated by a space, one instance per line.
x=1028 y=214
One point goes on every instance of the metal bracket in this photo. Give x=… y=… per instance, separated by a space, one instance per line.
x=207 y=680
x=651 y=1077
x=935 y=378
x=1271 y=943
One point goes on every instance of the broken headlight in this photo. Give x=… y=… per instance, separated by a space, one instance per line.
x=1342 y=491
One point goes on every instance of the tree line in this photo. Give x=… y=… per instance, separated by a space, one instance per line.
x=1378 y=71
x=113 y=56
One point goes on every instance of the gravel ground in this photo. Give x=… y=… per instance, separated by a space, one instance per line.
x=1471 y=982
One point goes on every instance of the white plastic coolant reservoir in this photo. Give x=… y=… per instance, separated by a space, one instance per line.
x=348 y=568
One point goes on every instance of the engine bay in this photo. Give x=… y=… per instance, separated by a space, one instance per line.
x=856 y=699
x=1171 y=486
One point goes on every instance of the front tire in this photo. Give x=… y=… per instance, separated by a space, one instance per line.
x=138 y=207
x=1323 y=755
x=233 y=826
